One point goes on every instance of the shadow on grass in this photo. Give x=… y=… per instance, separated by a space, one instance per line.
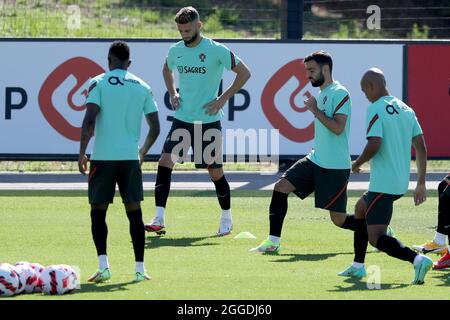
x=293 y=257
x=106 y=287
x=157 y=241
x=361 y=284
x=440 y=275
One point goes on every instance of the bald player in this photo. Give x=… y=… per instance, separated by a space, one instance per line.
x=392 y=127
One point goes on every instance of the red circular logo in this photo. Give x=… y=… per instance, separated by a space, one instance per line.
x=297 y=69
x=82 y=69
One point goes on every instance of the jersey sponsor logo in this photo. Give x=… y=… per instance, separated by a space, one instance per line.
x=115 y=81
x=294 y=68
x=75 y=72
x=191 y=69
x=202 y=57
x=391 y=109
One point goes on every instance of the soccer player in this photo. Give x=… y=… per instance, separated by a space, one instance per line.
x=115 y=105
x=437 y=245
x=326 y=169
x=392 y=127
x=200 y=62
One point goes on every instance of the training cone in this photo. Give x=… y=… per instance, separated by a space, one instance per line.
x=245 y=235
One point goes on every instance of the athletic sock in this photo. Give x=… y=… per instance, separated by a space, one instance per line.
x=137 y=233
x=274 y=239
x=139 y=267
x=395 y=248
x=223 y=193
x=99 y=230
x=443 y=209
x=162 y=186
x=277 y=212
x=349 y=222
x=440 y=238
x=360 y=240
x=103 y=262
x=160 y=214
x=226 y=215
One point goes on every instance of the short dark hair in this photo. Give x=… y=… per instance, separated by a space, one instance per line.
x=186 y=15
x=120 y=50
x=321 y=57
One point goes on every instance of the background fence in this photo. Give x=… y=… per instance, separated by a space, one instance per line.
x=322 y=19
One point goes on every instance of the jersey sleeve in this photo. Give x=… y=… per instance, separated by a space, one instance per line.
x=227 y=58
x=93 y=93
x=341 y=102
x=373 y=124
x=170 y=59
x=150 y=105
x=417 y=130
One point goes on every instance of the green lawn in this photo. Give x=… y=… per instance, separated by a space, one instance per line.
x=190 y=263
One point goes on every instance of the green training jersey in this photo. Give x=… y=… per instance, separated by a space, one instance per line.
x=123 y=99
x=396 y=124
x=330 y=150
x=200 y=71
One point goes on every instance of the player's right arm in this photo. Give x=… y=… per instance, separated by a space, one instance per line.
x=87 y=131
x=420 y=193
x=170 y=85
x=374 y=135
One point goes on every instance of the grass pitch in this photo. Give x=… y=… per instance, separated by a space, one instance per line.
x=191 y=263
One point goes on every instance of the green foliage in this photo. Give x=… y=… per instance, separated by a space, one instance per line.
x=416 y=33
x=150 y=16
x=355 y=30
x=228 y=16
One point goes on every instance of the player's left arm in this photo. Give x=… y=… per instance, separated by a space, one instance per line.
x=242 y=75
x=87 y=131
x=153 y=133
x=420 y=193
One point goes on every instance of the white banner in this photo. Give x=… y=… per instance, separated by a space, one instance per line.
x=43 y=87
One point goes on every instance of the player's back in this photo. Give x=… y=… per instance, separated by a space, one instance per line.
x=121 y=97
x=396 y=124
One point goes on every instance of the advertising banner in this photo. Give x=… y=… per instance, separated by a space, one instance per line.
x=429 y=94
x=44 y=85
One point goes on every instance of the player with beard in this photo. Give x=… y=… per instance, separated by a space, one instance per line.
x=200 y=62
x=326 y=169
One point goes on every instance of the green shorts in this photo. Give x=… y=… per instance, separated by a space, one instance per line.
x=379 y=207
x=205 y=140
x=329 y=185
x=103 y=176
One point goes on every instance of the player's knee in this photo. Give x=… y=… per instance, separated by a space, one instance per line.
x=166 y=160
x=373 y=239
x=132 y=206
x=215 y=174
x=283 y=186
x=338 y=218
x=99 y=206
x=360 y=210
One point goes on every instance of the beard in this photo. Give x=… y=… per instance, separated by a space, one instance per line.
x=319 y=81
x=194 y=37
